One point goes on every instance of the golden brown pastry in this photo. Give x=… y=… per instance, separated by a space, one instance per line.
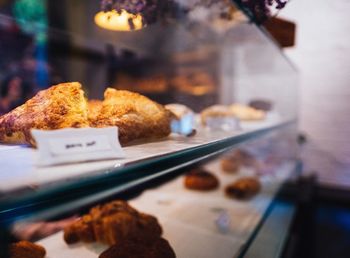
x=232 y=162
x=160 y=248
x=60 y=106
x=201 y=180
x=243 y=188
x=94 y=109
x=230 y=165
x=25 y=249
x=216 y=111
x=246 y=113
x=113 y=223
x=136 y=116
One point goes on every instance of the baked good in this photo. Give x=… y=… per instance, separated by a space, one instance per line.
x=150 y=84
x=136 y=116
x=160 y=248
x=261 y=104
x=80 y=230
x=201 y=180
x=215 y=111
x=58 y=107
x=243 y=188
x=111 y=224
x=94 y=109
x=25 y=249
x=230 y=164
x=246 y=113
x=194 y=83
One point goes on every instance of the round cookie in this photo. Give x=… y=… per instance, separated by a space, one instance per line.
x=201 y=180
x=243 y=188
x=230 y=164
x=160 y=248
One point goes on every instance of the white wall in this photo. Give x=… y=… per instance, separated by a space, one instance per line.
x=322 y=54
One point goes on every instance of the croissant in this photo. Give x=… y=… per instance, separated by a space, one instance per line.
x=136 y=116
x=60 y=106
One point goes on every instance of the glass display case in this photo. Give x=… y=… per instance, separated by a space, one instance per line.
x=212 y=182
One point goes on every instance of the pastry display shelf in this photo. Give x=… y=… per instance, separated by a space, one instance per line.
x=27 y=191
x=192 y=215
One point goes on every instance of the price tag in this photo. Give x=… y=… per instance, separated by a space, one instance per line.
x=77 y=145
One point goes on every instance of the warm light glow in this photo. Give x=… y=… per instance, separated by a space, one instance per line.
x=119 y=22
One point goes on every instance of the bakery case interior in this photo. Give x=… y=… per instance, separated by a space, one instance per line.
x=191 y=106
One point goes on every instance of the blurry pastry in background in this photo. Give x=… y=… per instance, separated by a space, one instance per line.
x=261 y=104
x=136 y=116
x=183 y=122
x=246 y=113
x=60 y=106
x=160 y=248
x=201 y=180
x=25 y=249
x=194 y=83
x=94 y=109
x=150 y=84
x=113 y=223
x=243 y=188
x=231 y=163
x=153 y=84
x=219 y=117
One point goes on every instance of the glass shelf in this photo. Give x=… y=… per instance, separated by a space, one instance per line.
x=29 y=188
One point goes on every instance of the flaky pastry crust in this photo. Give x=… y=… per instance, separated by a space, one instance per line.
x=136 y=116
x=60 y=106
x=94 y=109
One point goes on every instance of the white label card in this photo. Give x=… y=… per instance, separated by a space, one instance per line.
x=77 y=145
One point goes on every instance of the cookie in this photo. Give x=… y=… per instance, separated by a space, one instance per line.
x=243 y=188
x=201 y=180
x=25 y=249
x=230 y=164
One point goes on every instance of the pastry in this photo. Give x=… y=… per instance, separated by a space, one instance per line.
x=247 y=113
x=25 y=249
x=136 y=116
x=201 y=180
x=243 y=188
x=150 y=84
x=195 y=83
x=231 y=163
x=111 y=224
x=94 y=109
x=60 y=106
x=219 y=117
x=260 y=104
x=215 y=111
x=160 y=248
